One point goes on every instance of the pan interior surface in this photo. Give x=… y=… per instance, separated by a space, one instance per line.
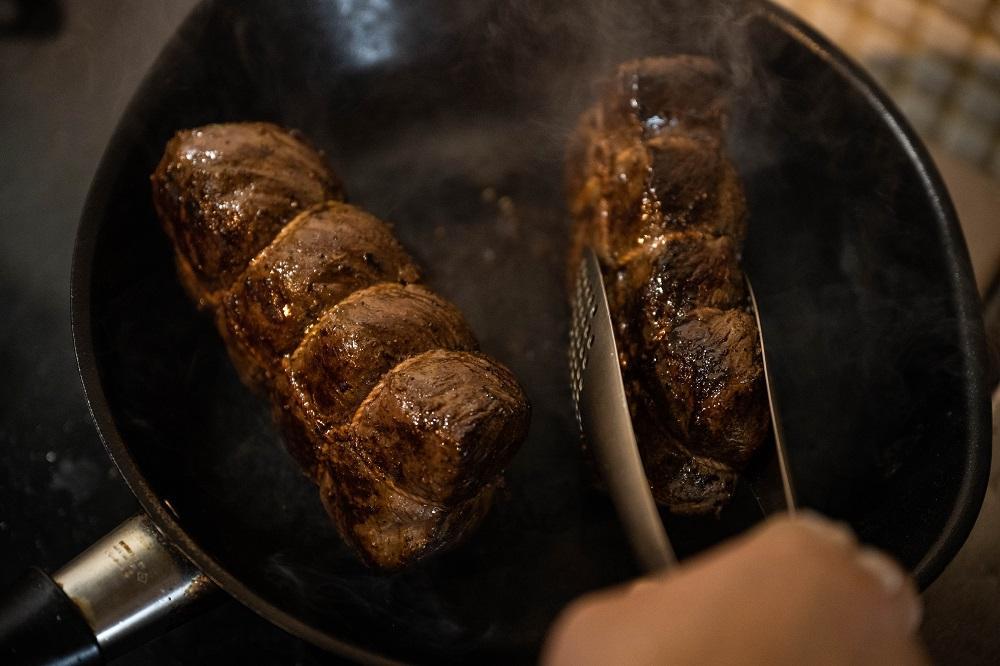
x=449 y=119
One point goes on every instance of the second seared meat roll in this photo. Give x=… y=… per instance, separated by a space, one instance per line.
x=652 y=191
x=376 y=381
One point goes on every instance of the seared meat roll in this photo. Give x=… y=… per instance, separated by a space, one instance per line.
x=376 y=381
x=651 y=190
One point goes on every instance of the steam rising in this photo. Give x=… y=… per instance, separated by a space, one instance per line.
x=452 y=124
x=371 y=29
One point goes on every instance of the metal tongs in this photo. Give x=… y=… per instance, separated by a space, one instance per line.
x=603 y=416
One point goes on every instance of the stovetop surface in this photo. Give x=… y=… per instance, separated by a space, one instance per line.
x=66 y=75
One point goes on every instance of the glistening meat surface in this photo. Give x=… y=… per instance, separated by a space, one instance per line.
x=652 y=191
x=376 y=381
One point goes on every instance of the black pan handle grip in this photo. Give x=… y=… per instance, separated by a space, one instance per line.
x=126 y=588
x=40 y=625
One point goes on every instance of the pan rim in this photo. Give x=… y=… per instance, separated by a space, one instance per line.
x=972 y=489
x=973 y=484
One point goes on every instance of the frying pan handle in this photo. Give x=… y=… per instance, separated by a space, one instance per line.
x=126 y=588
x=40 y=625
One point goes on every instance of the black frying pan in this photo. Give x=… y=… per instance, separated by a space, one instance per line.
x=449 y=119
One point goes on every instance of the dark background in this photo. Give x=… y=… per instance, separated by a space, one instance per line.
x=67 y=70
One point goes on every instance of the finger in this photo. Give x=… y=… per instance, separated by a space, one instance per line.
x=904 y=652
x=903 y=607
x=794 y=590
x=815 y=579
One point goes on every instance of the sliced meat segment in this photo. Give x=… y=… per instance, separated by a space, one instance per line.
x=224 y=191
x=693 y=186
x=318 y=259
x=440 y=423
x=389 y=528
x=423 y=453
x=669 y=276
x=353 y=344
x=709 y=381
x=647 y=158
x=685 y=93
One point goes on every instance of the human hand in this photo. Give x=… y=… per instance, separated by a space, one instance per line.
x=795 y=590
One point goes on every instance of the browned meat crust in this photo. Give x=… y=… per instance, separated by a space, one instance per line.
x=429 y=432
x=652 y=191
x=319 y=258
x=223 y=192
x=375 y=380
x=356 y=342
